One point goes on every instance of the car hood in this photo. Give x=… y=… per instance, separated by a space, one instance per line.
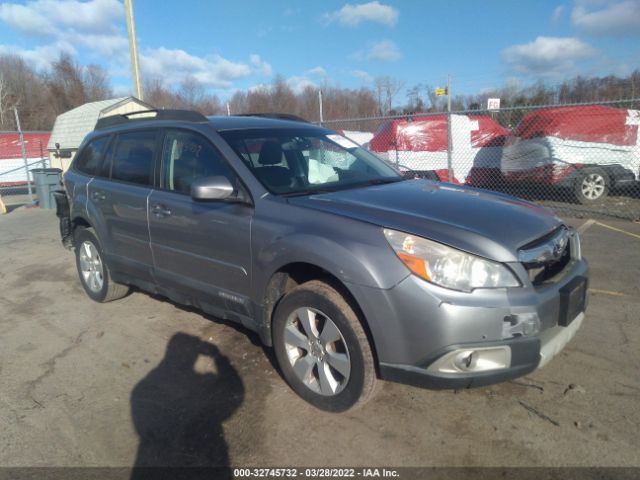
x=488 y=224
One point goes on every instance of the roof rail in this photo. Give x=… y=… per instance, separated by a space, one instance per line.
x=142 y=115
x=280 y=116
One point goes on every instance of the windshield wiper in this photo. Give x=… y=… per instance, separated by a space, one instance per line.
x=373 y=181
x=378 y=181
x=308 y=191
x=382 y=181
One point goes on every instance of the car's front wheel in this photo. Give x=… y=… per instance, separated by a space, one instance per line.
x=322 y=348
x=92 y=269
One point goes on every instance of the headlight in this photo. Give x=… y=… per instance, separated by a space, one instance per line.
x=446 y=266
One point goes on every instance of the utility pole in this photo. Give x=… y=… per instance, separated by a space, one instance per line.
x=449 y=141
x=133 y=49
x=24 y=153
x=320 y=106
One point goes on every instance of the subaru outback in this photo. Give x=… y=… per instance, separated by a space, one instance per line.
x=350 y=271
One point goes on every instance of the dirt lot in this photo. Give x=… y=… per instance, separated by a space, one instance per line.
x=83 y=384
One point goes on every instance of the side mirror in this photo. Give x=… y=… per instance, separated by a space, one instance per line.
x=211 y=188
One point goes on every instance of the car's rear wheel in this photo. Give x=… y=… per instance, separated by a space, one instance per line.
x=592 y=185
x=92 y=269
x=322 y=348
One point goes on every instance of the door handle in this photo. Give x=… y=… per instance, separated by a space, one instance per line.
x=160 y=211
x=97 y=196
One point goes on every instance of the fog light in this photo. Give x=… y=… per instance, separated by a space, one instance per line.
x=464 y=360
x=474 y=360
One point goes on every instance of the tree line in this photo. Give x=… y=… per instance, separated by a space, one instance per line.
x=42 y=95
x=422 y=98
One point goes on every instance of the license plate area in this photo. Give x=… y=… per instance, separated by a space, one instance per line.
x=573 y=298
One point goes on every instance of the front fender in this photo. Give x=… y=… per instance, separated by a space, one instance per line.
x=367 y=265
x=360 y=268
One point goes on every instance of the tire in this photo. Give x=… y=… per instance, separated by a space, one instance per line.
x=332 y=366
x=591 y=185
x=92 y=269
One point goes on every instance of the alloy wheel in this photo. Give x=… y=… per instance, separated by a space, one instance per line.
x=593 y=186
x=91 y=267
x=317 y=351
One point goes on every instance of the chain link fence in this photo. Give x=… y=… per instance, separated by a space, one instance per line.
x=580 y=159
x=16 y=179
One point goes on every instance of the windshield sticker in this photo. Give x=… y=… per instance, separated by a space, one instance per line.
x=344 y=142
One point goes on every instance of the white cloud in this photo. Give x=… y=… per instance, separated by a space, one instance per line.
x=299 y=83
x=105 y=45
x=296 y=83
x=557 y=14
x=98 y=27
x=352 y=15
x=547 y=55
x=68 y=25
x=362 y=75
x=47 y=17
x=383 y=51
x=174 y=65
x=260 y=65
x=261 y=87
x=317 y=72
x=42 y=56
x=616 y=18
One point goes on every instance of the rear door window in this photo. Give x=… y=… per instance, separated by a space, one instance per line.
x=133 y=157
x=91 y=157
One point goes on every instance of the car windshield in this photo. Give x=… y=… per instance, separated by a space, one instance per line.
x=305 y=161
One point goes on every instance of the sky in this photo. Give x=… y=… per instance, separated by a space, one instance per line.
x=242 y=44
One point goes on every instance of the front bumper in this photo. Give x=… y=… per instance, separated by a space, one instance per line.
x=416 y=323
x=527 y=354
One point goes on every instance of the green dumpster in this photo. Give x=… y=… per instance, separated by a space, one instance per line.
x=47 y=181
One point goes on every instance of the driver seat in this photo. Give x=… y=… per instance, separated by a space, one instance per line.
x=271 y=172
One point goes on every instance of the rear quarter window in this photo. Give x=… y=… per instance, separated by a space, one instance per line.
x=91 y=157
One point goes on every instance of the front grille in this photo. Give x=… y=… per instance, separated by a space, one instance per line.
x=539 y=274
x=548 y=256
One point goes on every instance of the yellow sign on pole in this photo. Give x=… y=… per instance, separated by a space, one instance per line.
x=441 y=92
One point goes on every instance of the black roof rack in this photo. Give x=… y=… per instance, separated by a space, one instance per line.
x=143 y=115
x=279 y=116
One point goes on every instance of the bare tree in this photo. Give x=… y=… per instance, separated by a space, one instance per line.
x=416 y=102
x=191 y=93
x=66 y=84
x=41 y=96
x=26 y=89
x=238 y=102
x=4 y=101
x=386 y=90
x=282 y=97
x=96 y=83
x=160 y=96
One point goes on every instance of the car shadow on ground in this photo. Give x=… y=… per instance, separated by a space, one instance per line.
x=178 y=410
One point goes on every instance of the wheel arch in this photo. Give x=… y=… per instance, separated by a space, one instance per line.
x=293 y=274
x=78 y=222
